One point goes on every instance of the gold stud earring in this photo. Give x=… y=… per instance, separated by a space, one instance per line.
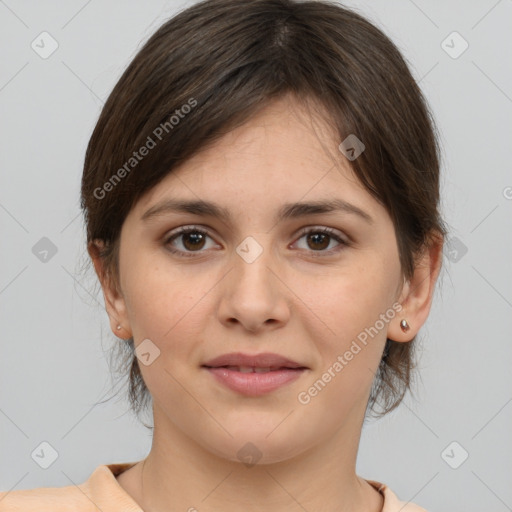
x=404 y=325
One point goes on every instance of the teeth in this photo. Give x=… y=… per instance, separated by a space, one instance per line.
x=251 y=369
x=261 y=370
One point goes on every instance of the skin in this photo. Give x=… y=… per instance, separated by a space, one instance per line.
x=305 y=300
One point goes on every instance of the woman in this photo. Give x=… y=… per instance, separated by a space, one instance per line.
x=261 y=200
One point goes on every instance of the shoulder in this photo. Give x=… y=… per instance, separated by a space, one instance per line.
x=391 y=501
x=55 y=499
x=100 y=492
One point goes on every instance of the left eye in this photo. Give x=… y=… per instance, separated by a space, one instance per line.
x=319 y=239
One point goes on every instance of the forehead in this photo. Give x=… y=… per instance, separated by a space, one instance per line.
x=285 y=153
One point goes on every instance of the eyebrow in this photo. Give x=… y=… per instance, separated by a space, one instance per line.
x=287 y=211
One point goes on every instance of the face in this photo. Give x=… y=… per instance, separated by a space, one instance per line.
x=318 y=288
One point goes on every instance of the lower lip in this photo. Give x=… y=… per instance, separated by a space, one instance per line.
x=255 y=384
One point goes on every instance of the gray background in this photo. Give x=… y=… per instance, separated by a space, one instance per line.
x=54 y=334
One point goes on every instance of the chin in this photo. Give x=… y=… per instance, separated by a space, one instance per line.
x=255 y=446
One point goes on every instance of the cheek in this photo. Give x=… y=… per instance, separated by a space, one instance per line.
x=158 y=296
x=163 y=307
x=169 y=307
x=350 y=351
x=356 y=306
x=352 y=299
x=164 y=311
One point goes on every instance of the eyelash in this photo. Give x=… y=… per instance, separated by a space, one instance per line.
x=304 y=231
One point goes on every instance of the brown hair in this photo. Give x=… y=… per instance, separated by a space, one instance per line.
x=214 y=65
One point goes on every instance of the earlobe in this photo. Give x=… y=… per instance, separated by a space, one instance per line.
x=114 y=300
x=417 y=294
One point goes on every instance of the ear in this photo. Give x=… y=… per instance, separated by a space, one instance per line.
x=114 y=300
x=417 y=293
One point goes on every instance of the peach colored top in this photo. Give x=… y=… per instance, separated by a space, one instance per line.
x=102 y=492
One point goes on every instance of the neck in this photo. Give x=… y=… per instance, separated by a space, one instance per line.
x=178 y=474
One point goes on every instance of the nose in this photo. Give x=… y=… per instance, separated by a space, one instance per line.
x=254 y=295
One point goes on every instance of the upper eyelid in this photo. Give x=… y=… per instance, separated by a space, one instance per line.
x=324 y=229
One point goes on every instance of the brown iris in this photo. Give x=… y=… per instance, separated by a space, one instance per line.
x=318 y=238
x=193 y=240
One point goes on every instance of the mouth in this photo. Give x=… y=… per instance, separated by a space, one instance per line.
x=254 y=375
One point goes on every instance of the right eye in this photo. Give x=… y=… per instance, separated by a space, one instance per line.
x=188 y=239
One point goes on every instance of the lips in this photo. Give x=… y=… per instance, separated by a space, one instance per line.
x=254 y=375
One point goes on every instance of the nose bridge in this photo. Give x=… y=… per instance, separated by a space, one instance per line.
x=253 y=295
x=252 y=261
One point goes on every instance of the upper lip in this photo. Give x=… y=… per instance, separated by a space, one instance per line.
x=263 y=360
